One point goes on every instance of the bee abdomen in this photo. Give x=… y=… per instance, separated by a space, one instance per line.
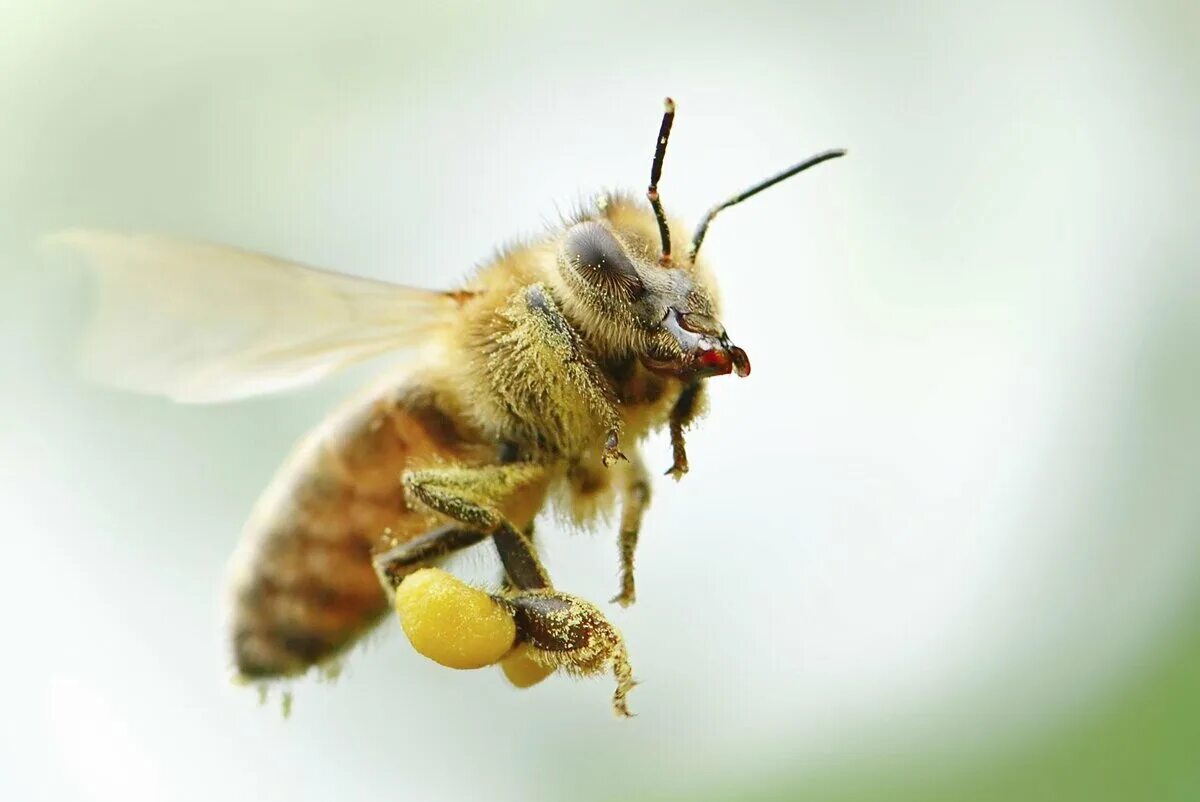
x=308 y=602
x=304 y=588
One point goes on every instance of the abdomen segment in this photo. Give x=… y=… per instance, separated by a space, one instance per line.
x=303 y=587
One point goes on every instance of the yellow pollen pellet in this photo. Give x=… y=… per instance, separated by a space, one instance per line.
x=522 y=671
x=451 y=622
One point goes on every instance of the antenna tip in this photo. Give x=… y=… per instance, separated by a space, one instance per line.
x=669 y=105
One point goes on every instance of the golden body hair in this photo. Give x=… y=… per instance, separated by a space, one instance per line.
x=501 y=386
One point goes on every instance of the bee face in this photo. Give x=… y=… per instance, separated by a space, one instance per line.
x=630 y=297
x=663 y=313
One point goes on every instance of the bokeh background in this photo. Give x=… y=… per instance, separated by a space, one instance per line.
x=942 y=545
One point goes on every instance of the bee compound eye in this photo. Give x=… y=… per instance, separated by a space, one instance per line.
x=595 y=255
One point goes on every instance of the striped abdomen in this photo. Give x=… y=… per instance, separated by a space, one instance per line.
x=303 y=585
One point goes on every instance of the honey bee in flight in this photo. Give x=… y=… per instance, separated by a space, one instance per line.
x=536 y=380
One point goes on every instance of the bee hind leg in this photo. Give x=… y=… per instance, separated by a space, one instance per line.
x=563 y=631
x=688 y=407
x=557 y=630
x=469 y=495
x=400 y=561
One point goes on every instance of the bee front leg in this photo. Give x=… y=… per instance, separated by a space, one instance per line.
x=635 y=497
x=687 y=408
x=541 y=322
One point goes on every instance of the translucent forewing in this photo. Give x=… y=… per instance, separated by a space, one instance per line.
x=205 y=323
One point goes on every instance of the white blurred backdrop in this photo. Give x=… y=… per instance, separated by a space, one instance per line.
x=954 y=502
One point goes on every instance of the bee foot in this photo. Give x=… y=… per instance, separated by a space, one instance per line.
x=625 y=598
x=566 y=632
x=677 y=471
x=623 y=674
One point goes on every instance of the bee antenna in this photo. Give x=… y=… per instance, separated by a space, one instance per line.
x=660 y=152
x=702 y=229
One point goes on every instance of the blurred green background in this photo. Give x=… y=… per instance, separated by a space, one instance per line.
x=942 y=545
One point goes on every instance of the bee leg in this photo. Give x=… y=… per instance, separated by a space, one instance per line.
x=506 y=586
x=635 y=497
x=562 y=631
x=459 y=493
x=687 y=408
x=543 y=325
x=556 y=630
x=400 y=561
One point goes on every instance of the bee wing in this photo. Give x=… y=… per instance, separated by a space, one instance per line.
x=203 y=323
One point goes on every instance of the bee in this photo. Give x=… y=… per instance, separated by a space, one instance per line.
x=532 y=383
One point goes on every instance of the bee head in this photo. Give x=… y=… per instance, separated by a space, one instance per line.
x=630 y=293
x=630 y=301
